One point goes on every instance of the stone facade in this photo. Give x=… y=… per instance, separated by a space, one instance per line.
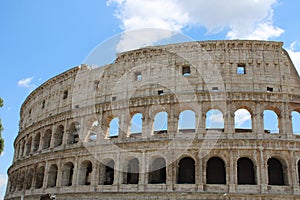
x=68 y=145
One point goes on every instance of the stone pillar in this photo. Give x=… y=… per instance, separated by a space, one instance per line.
x=59 y=174
x=199 y=172
x=263 y=171
x=258 y=121
x=46 y=175
x=123 y=125
x=172 y=125
x=52 y=136
x=76 y=172
x=119 y=168
x=65 y=135
x=230 y=171
x=200 y=123
x=143 y=172
x=229 y=124
x=147 y=126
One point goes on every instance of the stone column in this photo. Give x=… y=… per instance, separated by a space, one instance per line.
x=263 y=171
x=230 y=171
x=147 y=126
x=52 y=136
x=59 y=174
x=229 y=124
x=143 y=172
x=46 y=175
x=200 y=123
x=118 y=170
x=76 y=172
x=258 y=121
x=65 y=135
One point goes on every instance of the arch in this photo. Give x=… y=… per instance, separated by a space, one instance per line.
x=132 y=176
x=214 y=119
x=47 y=139
x=67 y=174
x=275 y=172
x=36 y=142
x=271 y=123
x=58 y=136
x=242 y=120
x=28 y=146
x=113 y=130
x=245 y=171
x=160 y=123
x=86 y=169
x=107 y=172
x=187 y=121
x=21 y=151
x=73 y=136
x=215 y=171
x=52 y=176
x=186 y=171
x=136 y=123
x=296 y=122
x=157 y=173
x=39 y=177
x=29 y=178
x=21 y=179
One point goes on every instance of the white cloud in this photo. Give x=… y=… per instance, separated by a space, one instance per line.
x=241 y=116
x=2 y=180
x=295 y=56
x=26 y=82
x=247 y=19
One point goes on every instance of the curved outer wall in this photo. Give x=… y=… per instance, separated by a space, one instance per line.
x=64 y=146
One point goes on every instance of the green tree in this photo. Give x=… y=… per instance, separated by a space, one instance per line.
x=1 y=129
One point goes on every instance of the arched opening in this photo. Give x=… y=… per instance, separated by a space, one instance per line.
x=58 y=136
x=245 y=172
x=52 y=176
x=242 y=121
x=214 y=120
x=296 y=122
x=215 y=171
x=29 y=178
x=39 y=177
x=187 y=121
x=67 y=174
x=86 y=169
x=136 y=123
x=186 y=171
x=275 y=172
x=73 y=136
x=36 y=142
x=157 y=174
x=21 y=179
x=271 y=124
x=47 y=139
x=113 y=130
x=28 y=146
x=161 y=123
x=21 y=151
x=133 y=172
x=107 y=173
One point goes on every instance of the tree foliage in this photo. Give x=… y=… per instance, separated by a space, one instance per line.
x=1 y=129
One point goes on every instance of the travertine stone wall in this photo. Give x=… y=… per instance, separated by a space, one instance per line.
x=64 y=146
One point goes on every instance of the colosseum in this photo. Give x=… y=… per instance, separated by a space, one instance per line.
x=161 y=122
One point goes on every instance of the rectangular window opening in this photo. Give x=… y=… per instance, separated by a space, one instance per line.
x=215 y=89
x=114 y=98
x=65 y=95
x=43 y=104
x=186 y=71
x=160 y=92
x=241 y=69
x=138 y=76
x=269 y=89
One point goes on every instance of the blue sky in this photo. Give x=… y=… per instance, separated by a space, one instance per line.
x=42 y=38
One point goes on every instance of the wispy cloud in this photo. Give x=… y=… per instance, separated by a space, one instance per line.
x=241 y=117
x=26 y=82
x=3 y=180
x=295 y=55
x=245 y=19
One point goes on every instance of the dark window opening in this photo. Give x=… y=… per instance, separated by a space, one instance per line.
x=215 y=171
x=67 y=175
x=245 y=170
x=133 y=172
x=109 y=173
x=65 y=95
x=157 y=174
x=138 y=76
x=269 y=89
x=186 y=71
x=275 y=172
x=160 y=92
x=114 y=98
x=241 y=69
x=215 y=89
x=39 y=177
x=43 y=104
x=186 y=171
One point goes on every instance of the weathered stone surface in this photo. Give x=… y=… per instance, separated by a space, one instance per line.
x=64 y=146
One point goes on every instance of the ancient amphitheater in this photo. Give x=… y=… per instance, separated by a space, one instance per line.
x=160 y=123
